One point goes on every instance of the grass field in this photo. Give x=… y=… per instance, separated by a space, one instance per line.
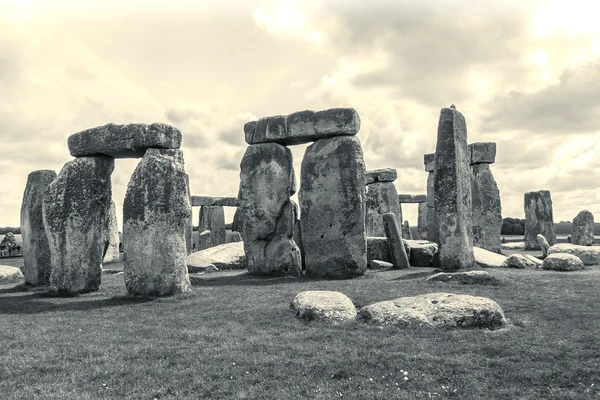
x=235 y=337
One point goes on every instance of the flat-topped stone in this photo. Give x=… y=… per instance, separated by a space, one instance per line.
x=381 y=175
x=124 y=141
x=303 y=126
x=215 y=201
x=562 y=262
x=323 y=305
x=482 y=152
x=412 y=198
x=429 y=161
x=589 y=255
x=464 y=277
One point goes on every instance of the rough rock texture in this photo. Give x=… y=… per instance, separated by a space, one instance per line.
x=394 y=237
x=36 y=251
x=215 y=201
x=298 y=231
x=487 y=208
x=323 y=305
x=432 y=227
x=429 y=161
x=406 y=233
x=412 y=198
x=420 y=252
x=482 y=152
x=382 y=198
x=266 y=184
x=444 y=310
x=156 y=212
x=452 y=187
x=224 y=256
x=542 y=244
x=521 y=261
x=513 y=246
x=189 y=229
x=123 y=141
x=464 y=277
x=562 y=262
x=582 y=232
x=75 y=210
x=236 y=224
x=212 y=218
x=538 y=218
x=112 y=232
x=10 y=275
x=589 y=255
x=378 y=264
x=204 y=240
x=487 y=259
x=332 y=207
x=235 y=237
x=303 y=126
x=422 y=221
x=381 y=175
x=378 y=248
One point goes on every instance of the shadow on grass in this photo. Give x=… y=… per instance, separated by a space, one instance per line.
x=246 y=279
x=415 y=275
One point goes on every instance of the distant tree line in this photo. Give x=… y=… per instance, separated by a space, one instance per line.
x=513 y=226
x=14 y=229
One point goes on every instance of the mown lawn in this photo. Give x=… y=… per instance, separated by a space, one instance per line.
x=235 y=337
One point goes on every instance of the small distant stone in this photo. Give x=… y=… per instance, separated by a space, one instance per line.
x=9 y=275
x=323 y=305
x=378 y=264
x=543 y=243
x=562 y=262
x=466 y=278
x=521 y=261
x=583 y=229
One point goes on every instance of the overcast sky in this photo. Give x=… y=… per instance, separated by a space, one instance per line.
x=525 y=74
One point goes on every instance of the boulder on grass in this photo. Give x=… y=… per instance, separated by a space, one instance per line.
x=487 y=259
x=224 y=256
x=378 y=264
x=420 y=252
x=521 y=261
x=513 y=246
x=466 y=278
x=562 y=262
x=9 y=275
x=589 y=255
x=323 y=305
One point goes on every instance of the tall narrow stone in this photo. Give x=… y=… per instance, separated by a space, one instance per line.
x=582 y=231
x=538 y=218
x=332 y=208
x=487 y=209
x=212 y=218
x=266 y=211
x=36 y=251
x=432 y=228
x=406 y=233
x=422 y=221
x=76 y=210
x=382 y=198
x=452 y=187
x=112 y=240
x=189 y=229
x=156 y=214
x=394 y=236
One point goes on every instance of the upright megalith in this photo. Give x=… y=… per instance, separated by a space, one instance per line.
x=212 y=218
x=538 y=218
x=112 y=236
x=487 y=209
x=266 y=184
x=156 y=213
x=394 y=236
x=332 y=208
x=452 y=187
x=432 y=229
x=382 y=198
x=406 y=233
x=36 y=251
x=422 y=221
x=582 y=231
x=76 y=209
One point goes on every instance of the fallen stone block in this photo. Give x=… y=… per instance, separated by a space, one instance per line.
x=381 y=175
x=323 y=305
x=464 y=277
x=224 y=256
x=10 y=275
x=589 y=255
x=562 y=262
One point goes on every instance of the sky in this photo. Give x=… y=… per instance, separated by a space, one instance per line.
x=525 y=74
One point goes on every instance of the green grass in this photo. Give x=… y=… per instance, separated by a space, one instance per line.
x=235 y=337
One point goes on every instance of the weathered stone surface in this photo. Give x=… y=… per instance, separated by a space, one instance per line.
x=266 y=210
x=236 y=224
x=406 y=233
x=303 y=126
x=464 y=277
x=538 y=218
x=487 y=208
x=394 y=237
x=36 y=251
x=10 y=275
x=452 y=187
x=562 y=262
x=420 y=252
x=124 y=141
x=487 y=259
x=204 y=240
x=436 y=310
x=224 y=256
x=482 y=152
x=112 y=232
x=298 y=231
x=156 y=213
x=215 y=201
x=543 y=244
x=412 y=198
x=589 y=255
x=189 y=228
x=378 y=248
x=212 y=218
x=422 y=221
x=513 y=246
x=429 y=161
x=520 y=261
x=332 y=207
x=323 y=305
x=235 y=237
x=75 y=210
x=582 y=232
x=378 y=264
x=381 y=175
x=382 y=198
x=432 y=227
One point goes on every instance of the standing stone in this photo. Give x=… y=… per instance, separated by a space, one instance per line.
x=236 y=224
x=422 y=221
x=582 y=232
x=332 y=208
x=393 y=234
x=382 y=198
x=76 y=209
x=452 y=187
x=189 y=229
x=235 y=237
x=212 y=218
x=112 y=238
x=298 y=231
x=266 y=184
x=487 y=209
x=538 y=219
x=36 y=251
x=204 y=240
x=406 y=234
x=432 y=228
x=156 y=214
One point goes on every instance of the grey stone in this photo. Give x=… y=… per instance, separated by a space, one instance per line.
x=123 y=141
x=378 y=248
x=521 y=262
x=382 y=198
x=10 y=275
x=215 y=201
x=235 y=237
x=189 y=229
x=224 y=256
x=236 y=225
x=381 y=175
x=154 y=236
x=266 y=210
x=422 y=221
x=112 y=249
x=487 y=208
x=589 y=255
x=378 y=264
x=429 y=161
x=298 y=231
x=582 y=231
x=212 y=218
x=36 y=251
x=406 y=233
x=543 y=244
x=323 y=305
x=562 y=262
x=538 y=218
x=487 y=259
x=412 y=198
x=432 y=228
x=420 y=252
x=394 y=236
x=482 y=152
x=464 y=277
x=332 y=207
x=204 y=240
x=452 y=187
x=76 y=209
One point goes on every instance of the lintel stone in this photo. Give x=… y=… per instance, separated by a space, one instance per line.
x=215 y=201
x=412 y=198
x=381 y=175
x=482 y=152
